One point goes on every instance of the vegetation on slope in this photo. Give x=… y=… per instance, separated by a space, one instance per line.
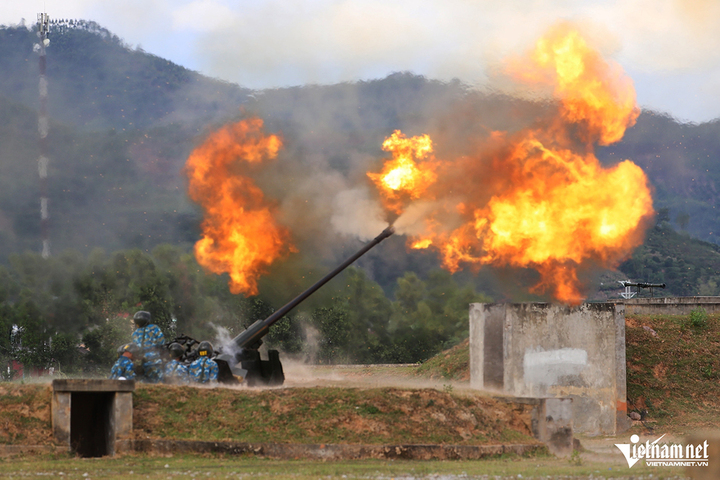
x=48 y=306
x=686 y=265
x=452 y=364
x=673 y=368
x=326 y=415
x=298 y=415
x=25 y=417
x=122 y=125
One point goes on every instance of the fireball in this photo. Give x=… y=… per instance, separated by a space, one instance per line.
x=240 y=236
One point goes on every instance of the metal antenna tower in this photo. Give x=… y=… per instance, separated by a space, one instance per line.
x=43 y=126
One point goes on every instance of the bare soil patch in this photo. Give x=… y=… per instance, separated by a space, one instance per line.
x=25 y=417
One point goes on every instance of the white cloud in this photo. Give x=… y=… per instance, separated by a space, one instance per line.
x=203 y=15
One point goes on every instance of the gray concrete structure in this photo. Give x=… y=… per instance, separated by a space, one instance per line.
x=554 y=351
x=551 y=422
x=670 y=305
x=92 y=417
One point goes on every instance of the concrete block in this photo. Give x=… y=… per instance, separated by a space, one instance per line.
x=555 y=351
x=555 y=425
x=122 y=414
x=670 y=305
x=60 y=407
x=92 y=385
x=91 y=416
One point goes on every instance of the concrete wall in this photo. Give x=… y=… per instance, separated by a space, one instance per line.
x=670 y=305
x=545 y=350
x=101 y=411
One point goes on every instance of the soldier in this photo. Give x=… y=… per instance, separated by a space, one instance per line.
x=149 y=338
x=124 y=368
x=176 y=372
x=204 y=369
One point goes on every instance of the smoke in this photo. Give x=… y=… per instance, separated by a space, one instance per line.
x=223 y=339
x=356 y=213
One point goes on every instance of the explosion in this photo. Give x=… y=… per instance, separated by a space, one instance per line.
x=239 y=233
x=532 y=199
x=406 y=176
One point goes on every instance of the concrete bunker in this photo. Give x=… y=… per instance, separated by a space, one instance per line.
x=542 y=350
x=92 y=417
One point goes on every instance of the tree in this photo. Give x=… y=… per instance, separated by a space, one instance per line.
x=663 y=215
x=682 y=219
x=369 y=312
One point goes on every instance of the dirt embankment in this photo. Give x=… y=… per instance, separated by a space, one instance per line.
x=287 y=415
x=673 y=370
x=673 y=373
x=25 y=417
x=327 y=415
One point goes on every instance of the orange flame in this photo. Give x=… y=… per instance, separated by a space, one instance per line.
x=533 y=200
x=239 y=233
x=405 y=177
x=594 y=92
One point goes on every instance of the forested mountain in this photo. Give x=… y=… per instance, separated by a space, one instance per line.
x=683 y=164
x=123 y=122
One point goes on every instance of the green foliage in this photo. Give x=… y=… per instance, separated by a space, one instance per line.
x=575 y=458
x=698 y=318
x=71 y=313
x=286 y=335
x=102 y=343
x=430 y=316
x=333 y=326
x=687 y=266
x=680 y=358
x=452 y=364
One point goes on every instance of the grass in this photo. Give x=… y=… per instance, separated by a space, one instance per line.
x=225 y=467
x=452 y=364
x=325 y=415
x=25 y=414
x=674 y=373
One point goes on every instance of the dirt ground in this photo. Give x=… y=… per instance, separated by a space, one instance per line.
x=361 y=376
x=432 y=416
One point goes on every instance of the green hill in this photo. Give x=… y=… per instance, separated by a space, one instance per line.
x=682 y=161
x=123 y=122
x=686 y=265
x=97 y=82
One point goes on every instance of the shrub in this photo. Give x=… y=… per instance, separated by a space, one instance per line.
x=698 y=318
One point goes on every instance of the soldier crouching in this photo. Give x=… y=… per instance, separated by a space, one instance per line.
x=204 y=369
x=149 y=339
x=175 y=372
x=124 y=368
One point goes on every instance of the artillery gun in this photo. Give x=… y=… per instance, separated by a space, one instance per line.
x=241 y=358
x=628 y=293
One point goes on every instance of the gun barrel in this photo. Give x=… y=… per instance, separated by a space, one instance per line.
x=626 y=283
x=258 y=329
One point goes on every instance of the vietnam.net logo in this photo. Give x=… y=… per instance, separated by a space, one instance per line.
x=664 y=455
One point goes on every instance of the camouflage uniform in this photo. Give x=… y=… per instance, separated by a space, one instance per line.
x=204 y=370
x=176 y=372
x=150 y=338
x=123 y=368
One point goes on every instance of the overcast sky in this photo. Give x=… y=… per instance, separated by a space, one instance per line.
x=670 y=48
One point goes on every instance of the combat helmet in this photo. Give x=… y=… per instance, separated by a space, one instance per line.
x=128 y=347
x=205 y=349
x=176 y=350
x=142 y=318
